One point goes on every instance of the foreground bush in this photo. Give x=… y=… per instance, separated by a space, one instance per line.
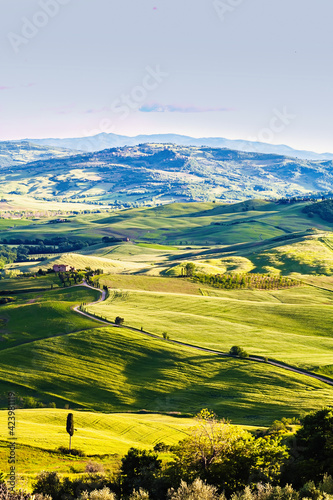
x=49 y=483
x=139 y=495
x=195 y=491
x=140 y=469
x=6 y=494
x=104 y=494
x=267 y=492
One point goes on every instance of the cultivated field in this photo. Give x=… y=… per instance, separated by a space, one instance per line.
x=51 y=355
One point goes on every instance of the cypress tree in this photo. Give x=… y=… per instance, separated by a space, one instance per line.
x=70 y=427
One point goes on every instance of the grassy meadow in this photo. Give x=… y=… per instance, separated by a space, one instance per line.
x=291 y=325
x=43 y=314
x=107 y=375
x=96 y=433
x=114 y=369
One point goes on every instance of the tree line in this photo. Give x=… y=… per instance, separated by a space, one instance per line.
x=246 y=280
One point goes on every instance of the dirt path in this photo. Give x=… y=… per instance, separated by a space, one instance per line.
x=256 y=359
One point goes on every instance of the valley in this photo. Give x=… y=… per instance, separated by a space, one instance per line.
x=55 y=359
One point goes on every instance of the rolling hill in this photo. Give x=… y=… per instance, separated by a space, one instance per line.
x=14 y=153
x=252 y=236
x=158 y=173
x=56 y=356
x=50 y=355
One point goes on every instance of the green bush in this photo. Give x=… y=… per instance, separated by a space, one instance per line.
x=119 y=320
x=48 y=483
x=238 y=351
x=74 y=451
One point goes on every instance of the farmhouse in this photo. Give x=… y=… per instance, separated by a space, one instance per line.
x=62 y=268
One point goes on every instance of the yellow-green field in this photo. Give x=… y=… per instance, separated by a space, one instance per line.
x=291 y=325
x=51 y=354
x=96 y=433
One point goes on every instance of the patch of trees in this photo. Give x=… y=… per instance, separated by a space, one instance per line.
x=111 y=239
x=75 y=276
x=23 y=252
x=247 y=280
x=312 y=452
x=296 y=199
x=7 y=255
x=324 y=209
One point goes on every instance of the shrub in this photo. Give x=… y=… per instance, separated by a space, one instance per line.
x=104 y=494
x=139 y=469
x=139 y=495
x=74 y=451
x=238 y=351
x=266 y=492
x=93 y=467
x=198 y=489
x=47 y=483
x=119 y=320
x=6 y=494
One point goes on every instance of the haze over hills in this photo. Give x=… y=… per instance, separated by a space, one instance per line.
x=18 y=153
x=161 y=173
x=107 y=140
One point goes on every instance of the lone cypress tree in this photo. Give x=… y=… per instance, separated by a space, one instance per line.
x=70 y=427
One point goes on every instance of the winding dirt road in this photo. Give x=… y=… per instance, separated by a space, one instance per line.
x=256 y=359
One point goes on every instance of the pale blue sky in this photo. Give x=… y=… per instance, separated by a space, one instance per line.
x=228 y=68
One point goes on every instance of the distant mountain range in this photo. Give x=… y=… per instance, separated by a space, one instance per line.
x=158 y=173
x=106 y=141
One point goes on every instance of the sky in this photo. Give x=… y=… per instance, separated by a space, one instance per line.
x=240 y=69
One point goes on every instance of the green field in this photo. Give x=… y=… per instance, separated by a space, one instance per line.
x=26 y=284
x=112 y=369
x=96 y=433
x=56 y=356
x=291 y=325
x=38 y=315
x=257 y=237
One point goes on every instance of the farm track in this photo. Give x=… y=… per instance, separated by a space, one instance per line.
x=256 y=359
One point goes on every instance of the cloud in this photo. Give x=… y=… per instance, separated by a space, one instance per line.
x=5 y=88
x=171 y=108
x=95 y=110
